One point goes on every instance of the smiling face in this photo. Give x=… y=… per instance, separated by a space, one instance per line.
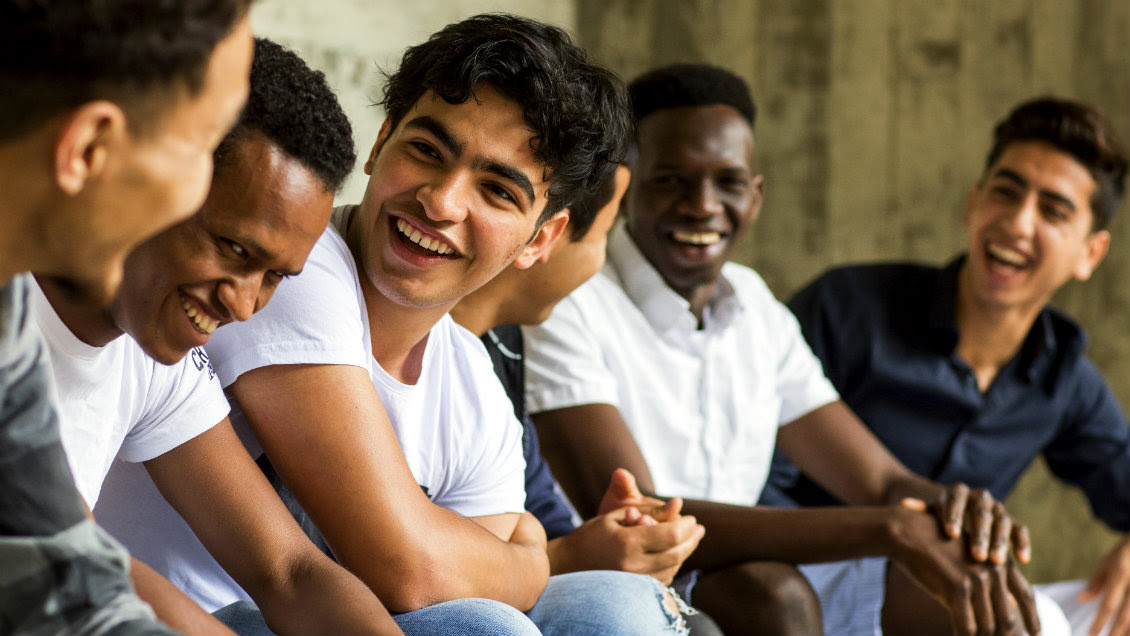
x=454 y=196
x=693 y=193
x=147 y=182
x=1029 y=223
x=262 y=217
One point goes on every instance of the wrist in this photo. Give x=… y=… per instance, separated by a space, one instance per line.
x=559 y=555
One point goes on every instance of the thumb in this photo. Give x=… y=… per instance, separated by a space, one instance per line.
x=623 y=485
x=1094 y=586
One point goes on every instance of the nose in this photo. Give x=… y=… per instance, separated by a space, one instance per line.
x=701 y=199
x=240 y=295
x=446 y=198
x=1021 y=219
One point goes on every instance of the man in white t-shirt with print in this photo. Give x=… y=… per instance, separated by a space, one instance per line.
x=367 y=398
x=271 y=196
x=683 y=368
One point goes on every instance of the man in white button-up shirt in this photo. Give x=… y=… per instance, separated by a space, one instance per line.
x=684 y=369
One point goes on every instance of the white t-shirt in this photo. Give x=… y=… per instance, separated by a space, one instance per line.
x=456 y=425
x=703 y=405
x=115 y=401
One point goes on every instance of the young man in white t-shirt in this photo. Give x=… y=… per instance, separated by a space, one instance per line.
x=493 y=127
x=271 y=196
x=683 y=368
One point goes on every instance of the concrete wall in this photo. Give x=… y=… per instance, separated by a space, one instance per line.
x=353 y=40
x=874 y=118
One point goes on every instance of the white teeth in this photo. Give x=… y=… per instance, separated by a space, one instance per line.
x=202 y=322
x=1011 y=257
x=697 y=238
x=430 y=244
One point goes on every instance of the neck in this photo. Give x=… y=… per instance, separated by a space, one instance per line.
x=399 y=334
x=481 y=310
x=90 y=323
x=699 y=298
x=25 y=207
x=988 y=337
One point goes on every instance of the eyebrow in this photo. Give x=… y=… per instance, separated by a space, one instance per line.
x=439 y=131
x=509 y=173
x=452 y=145
x=261 y=253
x=1012 y=175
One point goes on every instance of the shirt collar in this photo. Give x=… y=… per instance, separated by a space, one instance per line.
x=1040 y=344
x=662 y=306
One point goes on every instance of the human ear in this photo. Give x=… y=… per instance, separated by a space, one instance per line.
x=85 y=142
x=758 y=196
x=1097 y=245
x=541 y=245
x=382 y=136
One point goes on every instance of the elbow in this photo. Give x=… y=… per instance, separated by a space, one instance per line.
x=416 y=582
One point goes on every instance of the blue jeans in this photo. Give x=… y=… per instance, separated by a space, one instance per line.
x=605 y=603
x=466 y=616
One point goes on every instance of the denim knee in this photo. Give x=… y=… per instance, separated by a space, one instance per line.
x=243 y=618
x=604 y=602
x=467 y=617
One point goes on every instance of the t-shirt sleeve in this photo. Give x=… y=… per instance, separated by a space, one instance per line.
x=565 y=364
x=183 y=401
x=491 y=479
x=312 y=318
x=800 y=377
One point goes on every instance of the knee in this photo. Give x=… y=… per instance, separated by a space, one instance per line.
x=472 y=616
x=606 y=602
x=776 y=596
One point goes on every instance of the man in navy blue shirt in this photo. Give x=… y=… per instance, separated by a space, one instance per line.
x=963 y=371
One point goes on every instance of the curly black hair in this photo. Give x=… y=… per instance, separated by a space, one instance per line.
x=294 y=107
x=59 y=54
x=1078 y=130
x=690 y=85
x=577 y=110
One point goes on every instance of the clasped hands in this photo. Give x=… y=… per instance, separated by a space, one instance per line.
x=632 y=533
x=958 y=547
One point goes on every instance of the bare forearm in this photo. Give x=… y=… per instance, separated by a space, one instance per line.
x=322 y=598
x=172 y=606
x=448 y=557
x=736 y=534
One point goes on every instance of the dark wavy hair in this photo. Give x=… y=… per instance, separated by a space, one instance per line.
x=678 y=85
x=583 y=212
x=1078 y=130
x=577 y=110
x=294 y=107
x=56 y=55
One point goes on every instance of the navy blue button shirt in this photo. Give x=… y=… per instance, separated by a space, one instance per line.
x=505 y=346
x=887 y=336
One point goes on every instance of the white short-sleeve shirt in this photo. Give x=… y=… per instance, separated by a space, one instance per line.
x=115 y=401
x=704 y=404
x=455 y=425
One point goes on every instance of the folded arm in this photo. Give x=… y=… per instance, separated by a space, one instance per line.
x=216 y=486
x=330 y=440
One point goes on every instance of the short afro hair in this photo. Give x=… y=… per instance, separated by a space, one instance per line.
x=577 y=110
x=690 y=85
x=295 y=109
x=1075 y=129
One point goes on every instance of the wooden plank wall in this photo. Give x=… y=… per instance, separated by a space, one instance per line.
x=874 y=119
